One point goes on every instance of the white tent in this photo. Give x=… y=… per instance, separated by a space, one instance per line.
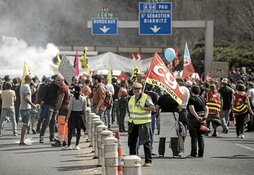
x=116 y=62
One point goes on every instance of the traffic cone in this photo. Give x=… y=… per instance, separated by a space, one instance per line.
x=120 y=153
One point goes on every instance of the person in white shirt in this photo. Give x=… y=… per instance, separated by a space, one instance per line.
x=108 y=111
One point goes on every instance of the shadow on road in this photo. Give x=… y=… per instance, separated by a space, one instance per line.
x=74 y=168
x=234 y=157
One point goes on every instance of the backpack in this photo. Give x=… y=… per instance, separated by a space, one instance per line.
x=108 y=99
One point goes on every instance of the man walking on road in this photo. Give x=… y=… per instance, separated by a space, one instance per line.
x=25 y=108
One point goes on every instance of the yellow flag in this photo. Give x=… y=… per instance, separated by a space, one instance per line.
x=26 y=71
x=84 y=61
x=110 y=76
x=58 y=60
x=134 y=74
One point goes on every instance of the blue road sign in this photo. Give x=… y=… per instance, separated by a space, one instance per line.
x=104 y=26
x=163 y=6
x=155 y=23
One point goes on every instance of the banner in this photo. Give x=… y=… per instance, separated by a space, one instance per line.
x=110 y=76
x=188 y=68
x=134 y=74
x=67 y=70
x=159 y=75
x=26 y=71
x=176 y=59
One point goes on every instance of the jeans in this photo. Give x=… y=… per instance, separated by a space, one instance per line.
x=183 y=117
x=224 y=119
x=115 y=111
x=153 y=128
x=49 y=120
x=196 y=140
x=101 y=114
x=107 y=116
x=10 y=112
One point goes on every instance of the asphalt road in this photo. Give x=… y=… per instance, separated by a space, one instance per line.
x=225 y=154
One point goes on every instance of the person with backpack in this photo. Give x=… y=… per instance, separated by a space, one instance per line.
x=241 y=108
x=122 y=105
x=108 y=101
x=98 y=96
x=166 y=106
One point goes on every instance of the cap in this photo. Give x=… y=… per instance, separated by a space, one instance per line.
x=224 y=80
x=49 y=79
x=137 y=85
x=188 y=83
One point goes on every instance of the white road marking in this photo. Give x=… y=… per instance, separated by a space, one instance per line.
x=245 y=147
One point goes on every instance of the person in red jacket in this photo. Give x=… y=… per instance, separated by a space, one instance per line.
x=241 y=108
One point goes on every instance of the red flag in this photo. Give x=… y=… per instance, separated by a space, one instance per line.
x=75 y=65
x=159 y=75
x=132 y=56
x=138 y=56
x=122 y=76
x=188 y=68
x=176 y=59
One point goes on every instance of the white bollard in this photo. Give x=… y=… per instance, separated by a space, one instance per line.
x=100 y=128
x=97 y=123
x=104 y=134
x=132 y=165
x=96 y=118
x=111 y=156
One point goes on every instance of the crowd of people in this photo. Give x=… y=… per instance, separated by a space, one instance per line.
x=52 y=103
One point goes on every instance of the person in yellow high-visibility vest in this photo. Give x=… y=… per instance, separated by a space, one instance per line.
x=140 y=107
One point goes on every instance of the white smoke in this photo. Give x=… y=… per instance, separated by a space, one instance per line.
x=39 y=59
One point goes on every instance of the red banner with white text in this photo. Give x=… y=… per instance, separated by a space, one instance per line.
x=159 y=75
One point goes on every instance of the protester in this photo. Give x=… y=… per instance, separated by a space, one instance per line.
x=122 y=105
x=214 y=103
x=25 y=108
x=16 y=88
x=115 y=111
x=241 y=108
x=8 y=98
x=76 y=116
x=169 y=110
x=140 y=107
x=98 y=96
x=226 y=94
x=62 y=108
x=154 y=96
x=108 y=111
x=49 y=112
x=198 y=112
x=86 y=91
x=182 y=109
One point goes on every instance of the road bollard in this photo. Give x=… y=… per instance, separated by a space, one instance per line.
x=100 y=128
x=111 y=156
x=97 y=123
x=95 y=118
x=132 y=165
x=87 y=117
x=104 y=134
